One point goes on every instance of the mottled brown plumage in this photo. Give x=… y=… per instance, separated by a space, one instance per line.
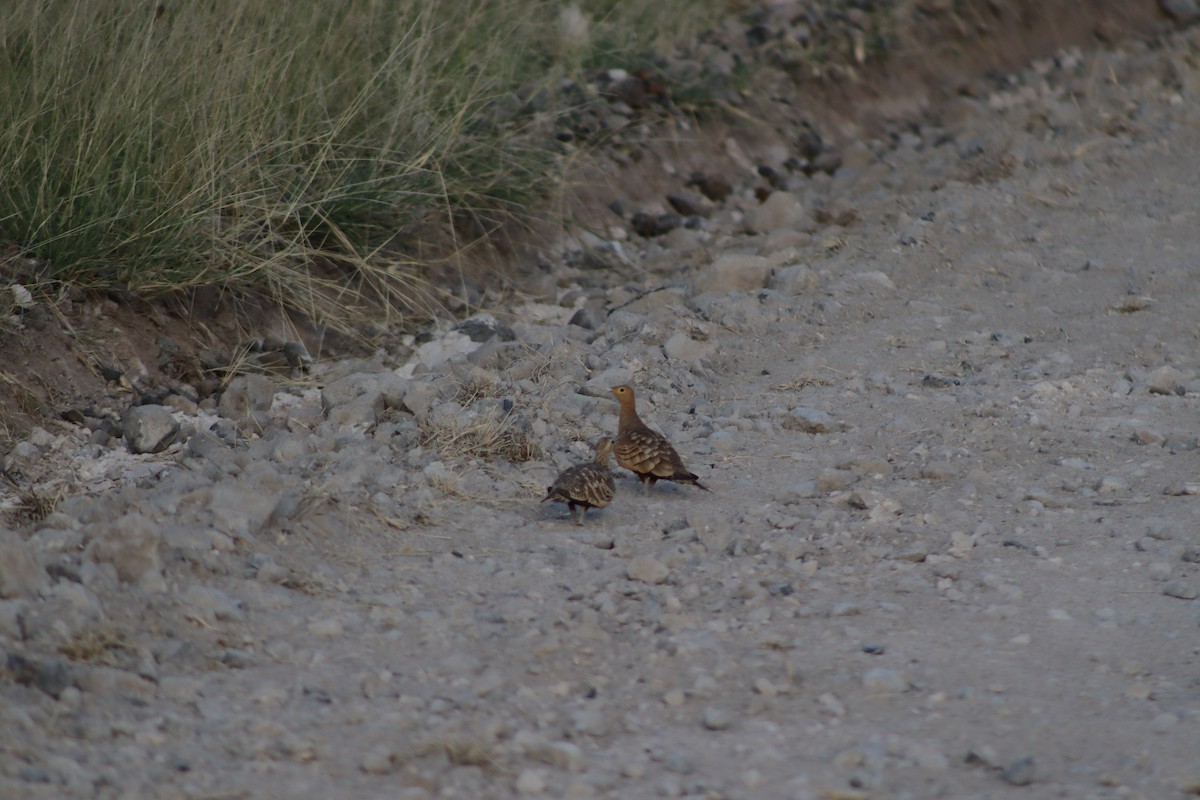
x=644 y=452
x=585 y=485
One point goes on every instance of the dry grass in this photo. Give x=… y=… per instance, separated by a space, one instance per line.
x=33 y=504
x=462 y=751
x=489 y=436
x=101 y=644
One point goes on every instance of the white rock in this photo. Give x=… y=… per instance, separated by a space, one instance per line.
x=647 y=569
x=716 y=719
x=131 y=545
x=733 y=273
x=20 y=573
x=531 y=781
x=682 y=347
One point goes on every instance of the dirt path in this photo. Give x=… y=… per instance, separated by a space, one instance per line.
x=951 y=548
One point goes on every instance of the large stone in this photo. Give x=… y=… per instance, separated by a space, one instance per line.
x=245 y=395
x=601 y=383
x=51 y=676
x=780 y=210
x=360 y=398
x=242 y=506
x=681 y=347
x=131 y=545
x=420 y=397
x=734 y=273
x=20 y=573
x=647 y=569
x=149 y=428
x=1180 y=10
x=66 y=611
x=796 y=279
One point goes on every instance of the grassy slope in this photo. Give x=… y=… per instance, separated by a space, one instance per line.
x=282 y=147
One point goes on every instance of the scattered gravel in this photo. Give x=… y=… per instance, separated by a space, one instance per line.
x=937 y=380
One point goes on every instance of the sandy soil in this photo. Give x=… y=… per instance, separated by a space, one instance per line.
x=950 y=550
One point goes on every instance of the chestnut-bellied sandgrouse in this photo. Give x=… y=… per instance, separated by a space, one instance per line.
x=644 y=452
x=585 y=485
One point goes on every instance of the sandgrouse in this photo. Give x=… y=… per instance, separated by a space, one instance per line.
x=585 y=485
x=644 y=452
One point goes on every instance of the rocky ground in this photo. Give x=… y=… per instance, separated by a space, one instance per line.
x=943 y=388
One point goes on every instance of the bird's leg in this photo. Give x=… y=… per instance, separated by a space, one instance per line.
x=645 y=486
x=577 y=512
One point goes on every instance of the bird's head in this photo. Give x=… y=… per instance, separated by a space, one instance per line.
x=623 y=393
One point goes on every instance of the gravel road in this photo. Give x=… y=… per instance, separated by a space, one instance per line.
x=944 y=395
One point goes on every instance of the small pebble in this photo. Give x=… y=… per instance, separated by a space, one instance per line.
x=716 y=719
x=1164 y=723
x=530 y=781
x=1181 y=590
x=1019 y=772
x=647 y=569
x=884 y=680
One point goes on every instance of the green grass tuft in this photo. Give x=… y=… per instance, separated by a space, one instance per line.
x=290 y=148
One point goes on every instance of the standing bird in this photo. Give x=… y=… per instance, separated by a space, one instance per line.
x=585 y=485
x=644 y=452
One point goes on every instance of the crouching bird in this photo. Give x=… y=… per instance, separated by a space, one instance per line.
x=645 y=452
x=585 y=485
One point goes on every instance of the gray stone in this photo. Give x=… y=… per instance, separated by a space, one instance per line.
x=589 y=317
x=245 y=395
x=796 y=279
x=780 y=210
x=1180 y=10
x=716 y=719
x=67 y=610
x=420 y=397
x=212 y=604
x=131 y=544
x=266 y=569
x=530 y=782
x=939 y=471
x=723 y=441
x=601 y=383
x=682 y=347
x=379 y=760
x=1019 y=772
x=1165 y=380
x=20 y=573
x=647 y=569
x=1181 y=590
x=733 y=273
x=242 y=506
x=589 y=721
x=875 y=278
x=624 y=323
x=11 y=612
x=149 y=428
x=109 y=680
x=358 y=399
x=50 y=676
